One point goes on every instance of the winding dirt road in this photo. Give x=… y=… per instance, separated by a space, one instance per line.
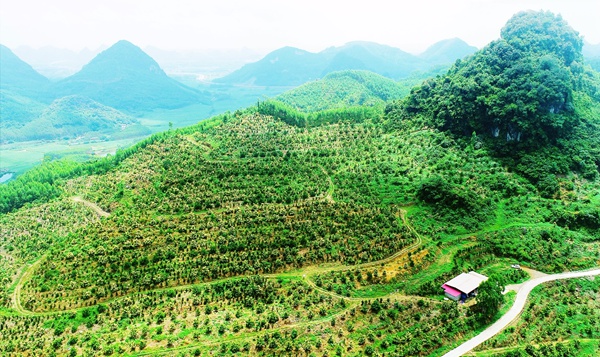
x=522 y=294
x=99 y=211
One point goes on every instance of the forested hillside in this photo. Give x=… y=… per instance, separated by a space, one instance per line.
x=284 y=229
x=527 y=96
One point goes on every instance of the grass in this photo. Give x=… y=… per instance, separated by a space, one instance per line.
x=587 y=348
x=375 y=291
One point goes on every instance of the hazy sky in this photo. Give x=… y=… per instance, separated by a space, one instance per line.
x=269 y=24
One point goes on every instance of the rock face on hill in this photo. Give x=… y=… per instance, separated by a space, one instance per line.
x=126 y=78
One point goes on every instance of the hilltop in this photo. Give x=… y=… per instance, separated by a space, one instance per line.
x=526 y=96
x=290 y=66
x=126 y=78
x=271 y=231
x=343 y=89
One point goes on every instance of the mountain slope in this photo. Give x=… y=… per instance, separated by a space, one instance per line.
x=253 y=234
x=343 y=89
x=526 y=95
x=286 y=66
x=385 y=60
x=18 y=76
x=291 y=66
x=592 y=55
x=591 y=50
x=125 y=78
x=18 y=110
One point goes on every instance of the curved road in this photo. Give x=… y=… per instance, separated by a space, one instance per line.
x=99 y=211
x=515 y=310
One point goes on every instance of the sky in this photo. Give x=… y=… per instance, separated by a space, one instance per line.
x=266 y=25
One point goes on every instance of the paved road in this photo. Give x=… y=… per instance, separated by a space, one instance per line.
x=515 y=310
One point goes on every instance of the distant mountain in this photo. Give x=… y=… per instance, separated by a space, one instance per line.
x=287 y=66
x=68 y=117
x=343 y=89
x=126 y=78
x=18 y=76
x=388 y=61
x=590 y=50
x=447 y=51
x=592 y=55
x=290 y=66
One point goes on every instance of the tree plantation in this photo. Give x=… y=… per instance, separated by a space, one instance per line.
x=325 y=225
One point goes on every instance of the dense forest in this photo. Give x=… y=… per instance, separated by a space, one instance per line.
x=323 y=228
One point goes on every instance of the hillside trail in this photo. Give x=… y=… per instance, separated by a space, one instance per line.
x=16 y=294
x=310 y=271
x=523 y=290
x=516 y=309
x=305 y=272
x=99 y=211
x=500 y=350
x=29 y=270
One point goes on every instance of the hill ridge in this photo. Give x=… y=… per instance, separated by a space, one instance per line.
x=18 y=76
x=126 y=78
x=302 y=66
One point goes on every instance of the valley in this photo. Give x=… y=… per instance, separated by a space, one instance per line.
x=113 y=103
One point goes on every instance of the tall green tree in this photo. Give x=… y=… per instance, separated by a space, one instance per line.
x=489 y=299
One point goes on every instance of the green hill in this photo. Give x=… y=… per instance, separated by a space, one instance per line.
x=70 y=117
x=343 y=89
x=292 y=67
x=18 y=110
x=125 y=78
x=260 y=233
x=19 y=77
x=527 y=96
x=385 y=60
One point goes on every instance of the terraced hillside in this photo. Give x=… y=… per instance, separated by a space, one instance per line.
x=270 y=231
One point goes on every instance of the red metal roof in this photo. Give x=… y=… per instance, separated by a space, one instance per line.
x=450 y=290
